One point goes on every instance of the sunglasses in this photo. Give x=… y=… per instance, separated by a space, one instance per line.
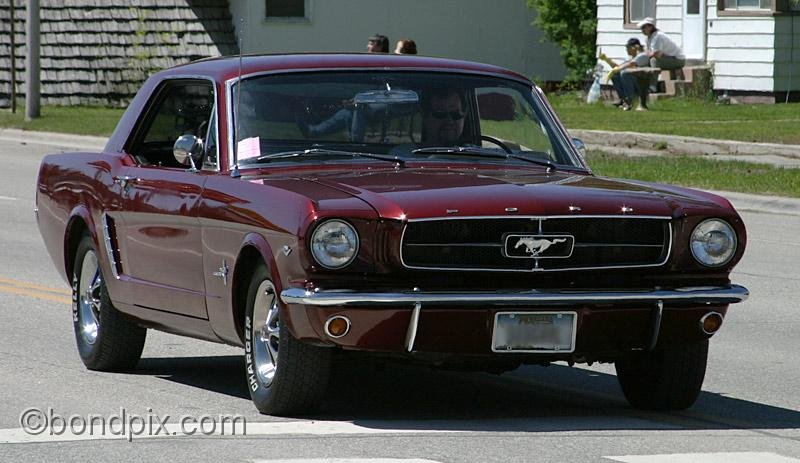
x=452 y=115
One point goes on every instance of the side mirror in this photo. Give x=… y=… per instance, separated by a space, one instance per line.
x=580 y=146
x=188 y=150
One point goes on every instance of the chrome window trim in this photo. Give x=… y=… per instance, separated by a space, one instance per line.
x=215 y=121
x=230 y=82
x=541 y=218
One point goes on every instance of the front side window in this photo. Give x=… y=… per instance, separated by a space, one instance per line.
x=180 y=108
x=406 y=115
x=636 y=10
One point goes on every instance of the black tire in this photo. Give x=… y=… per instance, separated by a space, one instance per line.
x=106 y=340
x=290 y=379
x=664 y=379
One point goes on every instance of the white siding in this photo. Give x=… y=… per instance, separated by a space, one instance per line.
x=750 y=84
x=669 y=18
x=742 y=51
x=611 y=34
x=748 y=53
x=498 y=32
x=753 y=69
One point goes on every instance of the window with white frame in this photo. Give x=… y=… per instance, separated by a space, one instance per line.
x=636 y=10
x=748 y=4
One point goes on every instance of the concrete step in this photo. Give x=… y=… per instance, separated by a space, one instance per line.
x=671 y=74
x=697 y=73
x=677 y=87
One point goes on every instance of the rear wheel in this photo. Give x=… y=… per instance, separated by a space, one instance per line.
x=106 y=341
x=664 y=379
x=284 y=375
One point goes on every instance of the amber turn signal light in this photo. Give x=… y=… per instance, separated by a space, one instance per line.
x=337 y=326
x=711 y=322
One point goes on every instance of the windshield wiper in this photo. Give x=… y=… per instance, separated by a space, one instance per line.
x=323 y=152
x=481 y=152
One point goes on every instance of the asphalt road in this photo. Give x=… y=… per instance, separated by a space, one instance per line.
x=749 y=410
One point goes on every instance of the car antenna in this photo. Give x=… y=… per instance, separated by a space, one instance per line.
x=235 y=170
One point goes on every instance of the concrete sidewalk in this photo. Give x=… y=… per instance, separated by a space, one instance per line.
x=650 y=144
x=594 y=138
x=63 y=141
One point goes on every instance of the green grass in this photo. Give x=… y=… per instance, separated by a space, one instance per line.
x=770 y=123
x=80 y=120
x=698 y=172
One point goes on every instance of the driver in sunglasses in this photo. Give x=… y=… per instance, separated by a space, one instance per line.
x=443 y=118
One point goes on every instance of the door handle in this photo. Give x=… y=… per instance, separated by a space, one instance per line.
x=124 y=180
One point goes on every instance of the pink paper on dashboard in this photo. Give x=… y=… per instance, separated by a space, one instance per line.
x=248 y=148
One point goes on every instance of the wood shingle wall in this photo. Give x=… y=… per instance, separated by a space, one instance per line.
x=98 y=52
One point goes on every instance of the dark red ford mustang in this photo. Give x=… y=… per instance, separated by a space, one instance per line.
x=415 y=208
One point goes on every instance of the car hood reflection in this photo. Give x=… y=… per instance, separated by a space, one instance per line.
x=423 y=193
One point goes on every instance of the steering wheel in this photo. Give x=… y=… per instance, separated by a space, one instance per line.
x=497 y=142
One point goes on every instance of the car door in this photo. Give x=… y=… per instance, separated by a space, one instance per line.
x=160 y=239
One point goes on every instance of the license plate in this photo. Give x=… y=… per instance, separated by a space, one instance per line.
x=534 y=332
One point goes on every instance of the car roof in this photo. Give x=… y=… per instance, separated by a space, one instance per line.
x=225 y=68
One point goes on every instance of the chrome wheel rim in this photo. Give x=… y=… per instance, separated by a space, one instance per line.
x=89 y=286
x=266 y=332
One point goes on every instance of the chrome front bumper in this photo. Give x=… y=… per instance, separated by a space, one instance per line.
x=692 y=295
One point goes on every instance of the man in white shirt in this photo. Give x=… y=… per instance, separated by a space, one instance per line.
x=663 y=52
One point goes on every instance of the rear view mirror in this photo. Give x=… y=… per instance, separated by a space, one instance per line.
x=387 y=96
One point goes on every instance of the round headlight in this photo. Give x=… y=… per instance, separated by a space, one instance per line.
x=334 y=244
x=713 y=242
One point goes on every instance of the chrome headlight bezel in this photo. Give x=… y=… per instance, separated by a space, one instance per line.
x=713 y=243
x=321 y=244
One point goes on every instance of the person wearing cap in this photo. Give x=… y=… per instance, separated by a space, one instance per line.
x=626 y=83
x=663 y=52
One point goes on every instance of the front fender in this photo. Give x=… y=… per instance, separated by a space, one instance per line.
x=254 y=250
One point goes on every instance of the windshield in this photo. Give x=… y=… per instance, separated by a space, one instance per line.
x=404 y=115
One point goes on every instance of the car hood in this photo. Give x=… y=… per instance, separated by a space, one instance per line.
x=416 y=193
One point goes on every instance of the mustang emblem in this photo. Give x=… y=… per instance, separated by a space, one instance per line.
x=537 y=246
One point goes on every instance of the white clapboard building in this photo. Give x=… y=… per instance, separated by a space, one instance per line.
x=752 y=47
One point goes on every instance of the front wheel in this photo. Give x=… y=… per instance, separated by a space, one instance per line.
x=285 y=376
x=664 y=379
x=106 y=340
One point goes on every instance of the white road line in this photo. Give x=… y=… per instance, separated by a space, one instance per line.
x=20 y=436
x=7 y=198
x=722 y=457
x=348 y=460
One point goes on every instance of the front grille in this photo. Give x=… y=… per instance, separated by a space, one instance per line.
x=480 y=243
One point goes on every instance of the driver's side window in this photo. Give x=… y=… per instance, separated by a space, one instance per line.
x=181 y=107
